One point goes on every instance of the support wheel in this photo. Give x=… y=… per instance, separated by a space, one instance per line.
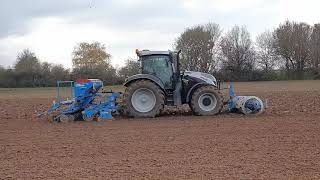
x=144 y=99
x=66 y=118
x=206 y=101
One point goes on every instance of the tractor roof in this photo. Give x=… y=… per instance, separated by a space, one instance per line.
x=147 y=53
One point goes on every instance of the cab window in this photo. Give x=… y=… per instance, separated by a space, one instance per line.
x=160 y=66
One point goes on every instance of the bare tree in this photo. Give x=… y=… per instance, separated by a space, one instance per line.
x=199 y=45
x=265 y=51
x=292 y=43
x=237 y=54
x=315 y=48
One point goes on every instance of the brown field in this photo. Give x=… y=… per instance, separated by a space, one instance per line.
x=282 y=143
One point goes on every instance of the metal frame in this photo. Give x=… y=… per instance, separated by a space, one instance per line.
x=58 y=89
x=83 y=95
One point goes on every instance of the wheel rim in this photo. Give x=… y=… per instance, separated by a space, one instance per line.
x=207 y=102
x=252 y=106
x=143 y=100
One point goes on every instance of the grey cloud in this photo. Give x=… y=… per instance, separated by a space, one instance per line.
x=168 y=15
x=15 y=16
x=161 y=16
x=136 y=17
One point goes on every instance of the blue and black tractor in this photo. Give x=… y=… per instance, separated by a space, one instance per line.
x=161 y=82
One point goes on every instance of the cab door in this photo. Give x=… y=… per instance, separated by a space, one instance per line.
x=159 y=66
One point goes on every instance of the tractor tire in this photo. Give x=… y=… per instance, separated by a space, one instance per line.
x=206 y=101
x=143 y=99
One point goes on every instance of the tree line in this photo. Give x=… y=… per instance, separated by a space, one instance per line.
x=290 y=51
x=89 y=60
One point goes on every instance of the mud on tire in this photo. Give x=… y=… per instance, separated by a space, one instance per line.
x=206 y=101
x=137 y=109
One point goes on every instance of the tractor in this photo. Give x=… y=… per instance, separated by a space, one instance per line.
x=161 y=82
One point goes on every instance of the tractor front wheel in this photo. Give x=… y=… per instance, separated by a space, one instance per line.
x=206 y=101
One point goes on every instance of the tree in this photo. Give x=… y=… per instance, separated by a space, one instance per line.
x=131 y=67
x=3 y=74
x=90 y=55
x=2 y=70
x=90 y=60
x=7 y=77
x=45 y=73
x=292 y=43
x=27 y=62
x=199 y=47
x=58 y=72
x=27 y=68
x=315 y=49
x=266 y=53
x=237 y=54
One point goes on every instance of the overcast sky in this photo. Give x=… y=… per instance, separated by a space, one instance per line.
x=51 y=28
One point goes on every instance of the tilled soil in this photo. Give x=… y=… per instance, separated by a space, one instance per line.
x=282 y=143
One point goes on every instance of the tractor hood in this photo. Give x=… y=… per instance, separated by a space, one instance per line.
x=200 y=76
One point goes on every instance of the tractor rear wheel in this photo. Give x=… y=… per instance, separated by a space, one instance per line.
x=144 y=99
x=206 y=101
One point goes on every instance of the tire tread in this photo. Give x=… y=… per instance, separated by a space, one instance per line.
x=194 y=101
x=129 y=110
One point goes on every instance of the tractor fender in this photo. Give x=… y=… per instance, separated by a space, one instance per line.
x=144 y=76
x=195 y=87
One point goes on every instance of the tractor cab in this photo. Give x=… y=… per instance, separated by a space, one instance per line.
x=161 y=64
